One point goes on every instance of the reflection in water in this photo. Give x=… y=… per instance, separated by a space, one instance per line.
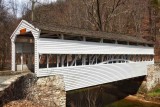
x=103 y=95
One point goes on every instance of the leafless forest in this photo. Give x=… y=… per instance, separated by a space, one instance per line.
x=130 y=17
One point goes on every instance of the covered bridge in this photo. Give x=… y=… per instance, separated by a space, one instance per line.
x=85 y=58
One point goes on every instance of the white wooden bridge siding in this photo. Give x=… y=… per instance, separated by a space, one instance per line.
x=92 y=75
x=77 y=77
x=29 y=28
x=55 y=46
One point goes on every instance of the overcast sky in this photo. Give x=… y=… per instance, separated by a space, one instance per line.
x=20 y=3
x=41 y=1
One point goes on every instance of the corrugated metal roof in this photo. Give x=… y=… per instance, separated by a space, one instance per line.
x=89 y=33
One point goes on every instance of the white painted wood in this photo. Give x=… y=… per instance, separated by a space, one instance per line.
x=62 y=60
x=93 y=59
x=47 y=61
x=55 y=46
x=90 y=56
x=102 y=58
x=101 y=41
x=21 y=61
x=92 y=75
x=29 y=28
x=116 y=42
x=76 y=77
x=62 y=36
x=67 y=60
x=58 y=60
x=36 y=56
x=127 y=43
x=83 y=59
x=84 y=38
x=13 y=54
x=96 y=58
x=76 y=60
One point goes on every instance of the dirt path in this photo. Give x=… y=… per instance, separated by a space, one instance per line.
x=4 y=78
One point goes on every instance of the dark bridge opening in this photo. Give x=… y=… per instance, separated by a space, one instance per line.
x=100 y=96
x=25 y=52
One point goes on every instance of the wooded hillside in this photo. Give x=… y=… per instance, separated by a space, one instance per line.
x=132 y=17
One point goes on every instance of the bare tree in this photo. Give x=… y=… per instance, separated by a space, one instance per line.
x=13 y=7
x=6 y=27
x=100 y=12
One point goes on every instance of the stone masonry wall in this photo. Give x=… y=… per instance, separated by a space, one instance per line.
x=153 y=77
x=17 y=87
x=49 y=91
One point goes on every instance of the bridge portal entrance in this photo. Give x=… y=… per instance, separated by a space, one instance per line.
x=24 y=46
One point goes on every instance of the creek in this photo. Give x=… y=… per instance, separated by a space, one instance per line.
x=116 y=94
x=132 y=102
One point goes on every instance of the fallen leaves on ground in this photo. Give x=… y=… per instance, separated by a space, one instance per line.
x=22 y=103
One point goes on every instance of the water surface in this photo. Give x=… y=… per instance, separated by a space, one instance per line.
x=132 y=103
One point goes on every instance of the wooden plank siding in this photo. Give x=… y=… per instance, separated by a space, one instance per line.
x=76 y=77
x=92 y=75
x=56 y=46
x=35 y=32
